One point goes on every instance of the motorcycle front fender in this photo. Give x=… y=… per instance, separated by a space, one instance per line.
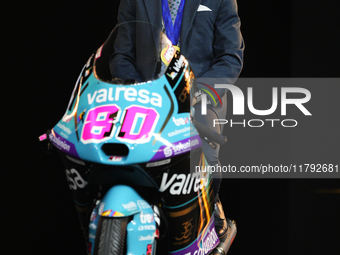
x=124 y=201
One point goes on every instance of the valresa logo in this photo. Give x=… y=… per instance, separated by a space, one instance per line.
x=178 y=184
x=130 y=94
x=180 y=121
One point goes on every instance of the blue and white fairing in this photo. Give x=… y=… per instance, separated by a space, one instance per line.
x=127 y=124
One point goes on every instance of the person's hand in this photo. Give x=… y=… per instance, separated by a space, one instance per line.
x=198 y=97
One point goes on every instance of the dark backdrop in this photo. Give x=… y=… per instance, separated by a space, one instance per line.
x=45 y=47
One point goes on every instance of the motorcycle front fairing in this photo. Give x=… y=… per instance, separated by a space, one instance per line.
x=145 y=127
x=118 y=124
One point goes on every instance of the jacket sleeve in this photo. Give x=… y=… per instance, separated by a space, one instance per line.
x=123 y=61
x=228 y=47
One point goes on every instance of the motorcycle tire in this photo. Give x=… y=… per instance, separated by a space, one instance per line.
x=111 y=236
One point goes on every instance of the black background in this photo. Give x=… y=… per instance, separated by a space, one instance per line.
x=45 y=45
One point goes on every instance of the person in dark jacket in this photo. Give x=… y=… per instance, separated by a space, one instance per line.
x=208 y=34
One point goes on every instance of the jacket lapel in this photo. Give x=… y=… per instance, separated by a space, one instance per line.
x=154 y=11
x=190 y=10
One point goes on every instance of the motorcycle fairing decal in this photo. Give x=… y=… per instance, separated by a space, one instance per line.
x=80 y=117
x=180 y=86
x=180 y=78
x=167 y=117
x=63 y=144
x=123 y=200
x=77 y=92
x=82 y=91
x=141 y=232
x=182 y=91
x=149 y=249
x=74 y=102
x=203 y=244
x=177 y=148
x=175 y=67
x=110 y=213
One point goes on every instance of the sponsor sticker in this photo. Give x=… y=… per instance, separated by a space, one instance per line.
x=181 y=121
x=177 y=148
x=146 y=218
x=146 y=238
x=115 y=158
x=63 y=144
x=130 y=206
x=146 y=227
x=168 y=53
x=180 y=131
x=142 y=204
x=149 y=249
x=180 y=147
x=64 y=128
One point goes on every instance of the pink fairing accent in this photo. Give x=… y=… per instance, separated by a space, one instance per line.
x=99 y=123
x=42 y=137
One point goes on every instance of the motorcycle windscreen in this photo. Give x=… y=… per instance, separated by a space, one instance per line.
x=131 y=102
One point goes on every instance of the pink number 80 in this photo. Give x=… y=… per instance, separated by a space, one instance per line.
x=99 y=124
x=137 y=124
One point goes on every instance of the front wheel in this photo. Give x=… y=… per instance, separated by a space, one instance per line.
x=111 y=235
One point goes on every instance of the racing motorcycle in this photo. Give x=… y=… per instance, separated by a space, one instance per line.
x=131 y=154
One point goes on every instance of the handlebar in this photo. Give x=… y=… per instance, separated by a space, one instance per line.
x=208 y=133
